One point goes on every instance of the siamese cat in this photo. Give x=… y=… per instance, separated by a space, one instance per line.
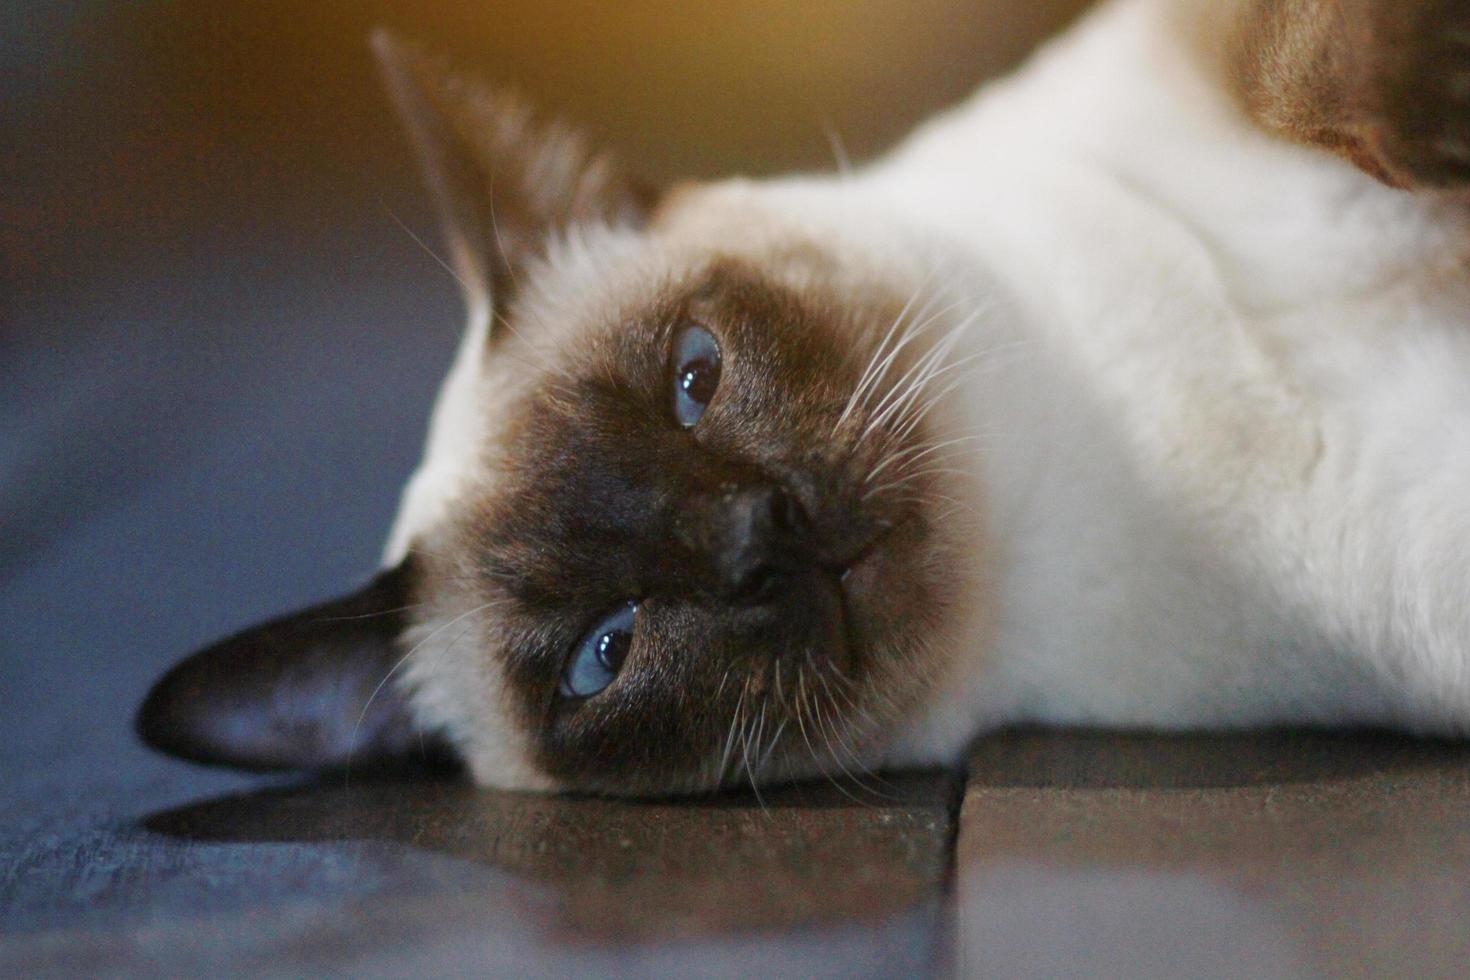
x=1134 y=391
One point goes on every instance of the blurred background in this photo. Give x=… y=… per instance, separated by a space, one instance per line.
x=141 y=126
x=219 y=339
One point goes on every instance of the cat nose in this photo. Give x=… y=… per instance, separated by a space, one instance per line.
x=764 y=537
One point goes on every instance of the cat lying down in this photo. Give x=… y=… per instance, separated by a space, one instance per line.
x=1134 y=391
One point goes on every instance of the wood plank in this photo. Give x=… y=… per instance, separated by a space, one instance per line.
x=1276 y=854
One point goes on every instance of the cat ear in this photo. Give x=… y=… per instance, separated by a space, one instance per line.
x=311 y=690
x=502 y=181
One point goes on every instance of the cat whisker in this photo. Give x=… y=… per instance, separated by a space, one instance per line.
x=398 y=665
x=918 y=331
x=735 y=722
x=910 y=334
x=908 y=478
x=801 y=699
x=424 y=245
x=914 y=396
x=510 y=271
x=956 y=455
x=823 y=727
x=882 y=361
x=504 y=323
x=723 y=679
x=868 y=722
x=434 y=666
x=916 y=417
x=464 y=578
x=921 y=450
x=505 y=261
x=983 y=361
x=955 y=506
x=765 y=757
x=839 y=149
x=914 y=381
x=371 y=615
x=867 y=374
x=746 y=753
x=801 y=707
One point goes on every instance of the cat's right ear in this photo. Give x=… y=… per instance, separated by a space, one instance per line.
x=503 y=182
x=315 y=689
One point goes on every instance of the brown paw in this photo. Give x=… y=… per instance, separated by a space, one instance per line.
x=1415 y=100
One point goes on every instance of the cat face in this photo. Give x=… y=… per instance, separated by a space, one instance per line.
x=679 y=522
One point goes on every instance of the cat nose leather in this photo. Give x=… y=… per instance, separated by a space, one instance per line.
x=760 y=535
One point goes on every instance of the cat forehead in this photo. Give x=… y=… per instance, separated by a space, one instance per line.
x=591 y=276
x=601 y=280
x=711 y=250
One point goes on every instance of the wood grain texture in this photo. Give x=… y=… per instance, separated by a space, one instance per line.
x=621 y=871
x=1263 y=855
x=430 y=876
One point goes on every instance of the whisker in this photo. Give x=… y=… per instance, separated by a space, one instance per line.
x=424 y=245
x=822 y=729
x=457 y=277
x=908 y=387
x=745 y=755
x=839 y=150
x=801 y=705
x=916 y=417
x=765 y=757
x=863 y=379
x=866 y=719
x=371 y=615
x=910 y=335
x=396 y=667
x=924 y=450
x=982 y=357
x=910 y=476
x=735 y=721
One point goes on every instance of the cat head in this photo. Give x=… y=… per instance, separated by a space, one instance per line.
x=680 y=520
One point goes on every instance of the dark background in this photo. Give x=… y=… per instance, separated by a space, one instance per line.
x=219 y=339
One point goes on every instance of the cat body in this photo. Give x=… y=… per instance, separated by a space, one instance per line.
x=1229 y=435
x=1190 y=398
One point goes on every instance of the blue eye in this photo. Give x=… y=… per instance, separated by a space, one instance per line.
x=696 y=365
x=598 y=656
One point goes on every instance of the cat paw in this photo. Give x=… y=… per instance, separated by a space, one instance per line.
x=1417 y=131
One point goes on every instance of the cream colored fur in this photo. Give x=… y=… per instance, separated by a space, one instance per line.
x=1225 y=463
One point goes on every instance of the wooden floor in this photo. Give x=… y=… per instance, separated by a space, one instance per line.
x=220 y=333
x=1063 y=854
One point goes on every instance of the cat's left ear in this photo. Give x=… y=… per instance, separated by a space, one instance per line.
x=311 y=690
x=503 y=181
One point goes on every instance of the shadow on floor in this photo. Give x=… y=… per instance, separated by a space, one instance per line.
x=627 y=870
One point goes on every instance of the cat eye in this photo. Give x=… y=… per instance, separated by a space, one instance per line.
x=599 y=655
x=696 y=365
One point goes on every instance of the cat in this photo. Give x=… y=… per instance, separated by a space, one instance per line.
x=1134 y=391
